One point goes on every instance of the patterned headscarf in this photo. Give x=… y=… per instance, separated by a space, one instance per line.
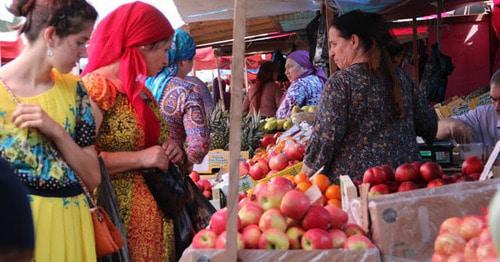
x=118 y=38
x=183 y=48
x=302 y=58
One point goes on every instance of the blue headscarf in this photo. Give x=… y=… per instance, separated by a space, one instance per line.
x=183 y=48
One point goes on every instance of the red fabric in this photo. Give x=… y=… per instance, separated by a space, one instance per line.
x=10 y=50
x=117 y=38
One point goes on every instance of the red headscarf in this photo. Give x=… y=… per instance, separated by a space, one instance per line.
x=117 y=38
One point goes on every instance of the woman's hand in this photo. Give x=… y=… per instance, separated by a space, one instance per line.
x=33 y=116
x=154 y=157
x=174 y=152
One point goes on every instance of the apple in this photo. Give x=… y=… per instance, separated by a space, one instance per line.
x=474 y=176
x=449 y=179
x=406 y=172
x=244 y=168
x=457 y=257
x=393 y=186
x=194 y=176
x=380 y=189
x=339 y=216
x=199 y=186
x=389 y=172
x=278 y=162
x=435 y=183
x=407 y=186
x=317 y=217
x=205 y=184
x=451 y=225
x=338 y=238
x=472 y=165
x=294 y=151
x=353 y=229
x=294 y=236
x=251 y=235
x=316 y=239
x=274 y=239
x=448 y=243
x=272 y=218
x=267 y=140
x=258 y=188
x=358 y=243
x=295 y=204
x=257 y=172
x=270 y=196
x=292 y=222
x=218 y=221
x=204 y=239
x=486 y=252
x=221 y=241
x=471 y=227
x=374 y=176
x=250 y=213
x=470 y=249
x=430 y=171
x=207 y=194
x=439 y=258
x=263 y=164
x=279 y=180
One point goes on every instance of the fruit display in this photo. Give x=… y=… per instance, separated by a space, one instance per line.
x=465 y=239
x=203 y=184
x=410 y=176
x=280 y=217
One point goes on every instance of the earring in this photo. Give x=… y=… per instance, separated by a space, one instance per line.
x=50 y=53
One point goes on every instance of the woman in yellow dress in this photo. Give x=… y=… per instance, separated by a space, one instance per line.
x=42 y=113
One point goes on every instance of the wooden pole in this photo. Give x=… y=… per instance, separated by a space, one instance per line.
x=329 y=14
x=239 y=32
x=416 y=57
x=246 y=75
x=219 y=82
x=439 y=22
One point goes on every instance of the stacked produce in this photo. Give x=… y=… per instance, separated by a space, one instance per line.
x=410 y=176
x=465 y=239
x=283 y=218
x=203 y=184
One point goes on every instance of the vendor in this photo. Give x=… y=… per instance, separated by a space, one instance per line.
x=370 y=113
x=481 y=125
x=306 y=83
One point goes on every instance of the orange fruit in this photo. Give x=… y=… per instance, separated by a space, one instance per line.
x=303 y=186
x=301 y=177
x=333 y=192
x=322 y=181
x=335 y=202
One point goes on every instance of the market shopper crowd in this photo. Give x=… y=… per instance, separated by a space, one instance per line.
x=136 y=109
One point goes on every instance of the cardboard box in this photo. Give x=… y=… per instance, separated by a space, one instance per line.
x=405 y=225
x=371 y=255
x=217 y=159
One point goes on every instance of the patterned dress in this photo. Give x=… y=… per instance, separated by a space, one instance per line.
x=355 y=128
x=63 y=225
x=150 y=235
x=182 y=107
x=305 y=91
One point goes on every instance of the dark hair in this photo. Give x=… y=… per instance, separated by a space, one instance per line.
x=495 y=79
x=375 y=37
x=264 y=76
x=66 y=16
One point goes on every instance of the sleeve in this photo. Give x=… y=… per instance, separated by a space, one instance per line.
x=196 y=127
x=85 y=127
x=472 y=119
x=424 y=115
x=330 y=125
x=294 y=96
x=100 y=90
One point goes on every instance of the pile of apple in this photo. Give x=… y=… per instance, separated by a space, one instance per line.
x=281 y=218
x=273 y=159
x=203 y=184
x=465 y=239
x=410 y=176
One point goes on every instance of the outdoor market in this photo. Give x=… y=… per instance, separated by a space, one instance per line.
x=250 y=130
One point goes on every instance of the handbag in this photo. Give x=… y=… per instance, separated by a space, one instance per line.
x=108 y=238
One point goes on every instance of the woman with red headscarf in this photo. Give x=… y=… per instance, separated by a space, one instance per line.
x=126 y=47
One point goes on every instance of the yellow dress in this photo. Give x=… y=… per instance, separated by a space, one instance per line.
x=63 y=225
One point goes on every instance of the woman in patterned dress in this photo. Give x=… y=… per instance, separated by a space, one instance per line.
x=181 y=101
x=370 y=112
x=127 y=46
x=42 y=112
x=306 y=83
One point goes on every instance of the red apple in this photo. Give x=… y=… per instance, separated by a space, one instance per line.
x=435 y=183
x=380 y=189
x=374 y=176
x=263 y=164
x=448 y=244
x=393 y=186
x=294 y=151
x=486 y=252
x=272 y=218
x=274 y=239
x=267 y=140
x=278 y=162
x=470 y=249
x=204 y=239
x=451 y=225
x=439 y=258
x=353 y=229
x=339 y=216
x=257 y=172
x=194 y=176
x=250 y=214
x=218 y=221
x=416 y=165
x=295 y=204
x=294 y=236
x=271 y=195
x=389 y=172
x=407 y=186
x=406 y=172
x=338 y=238
x=457 y=257
x=449 y=179
x=474 y=176
x=258 y=188
x=292 y=222
x=472 y=165
x=205 y=184
x=199 y=186
x=316 y=217
x=279 y=180
x=244 y=168
x=430 y=171
x=207 y=194
x=221 y=241
x=358 y=243
x=471 y=227
x=251 y=235
x=316 y=239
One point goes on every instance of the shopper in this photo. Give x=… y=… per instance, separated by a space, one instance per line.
x=128 y=45
x=181 y=102
x=43 y=110
x=265 y=95
x=369 y=114
x=306 y=83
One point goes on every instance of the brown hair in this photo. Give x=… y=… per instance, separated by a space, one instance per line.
x=375 y=38
x=66 y=16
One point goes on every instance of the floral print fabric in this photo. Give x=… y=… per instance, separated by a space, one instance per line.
x=305 y=91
